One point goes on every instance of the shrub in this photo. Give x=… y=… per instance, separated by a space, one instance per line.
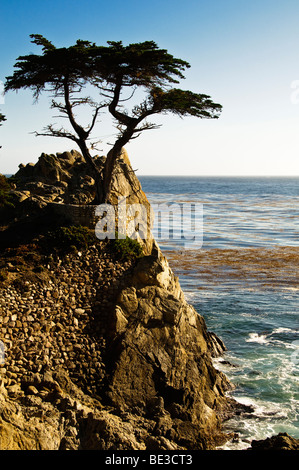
x=126 y=248
x=69 y=238
x=5 y=197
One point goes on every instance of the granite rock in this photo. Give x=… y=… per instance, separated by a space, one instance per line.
x=100 y=353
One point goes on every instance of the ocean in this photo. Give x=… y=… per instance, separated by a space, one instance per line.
x=238 y=265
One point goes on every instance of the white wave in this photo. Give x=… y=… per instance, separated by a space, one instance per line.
x=256 y=338
x=266 y=338
x=263 y=409
x=284 y=330
x=266 y=419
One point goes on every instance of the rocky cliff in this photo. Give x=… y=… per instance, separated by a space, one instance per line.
x=99 y=352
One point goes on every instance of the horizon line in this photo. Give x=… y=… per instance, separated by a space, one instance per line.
x=221 y=176
x=201 y=176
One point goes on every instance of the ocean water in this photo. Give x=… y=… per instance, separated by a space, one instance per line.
x=240 y=270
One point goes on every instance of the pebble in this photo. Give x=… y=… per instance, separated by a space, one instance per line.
x=61 y=324
x=79 y=311
x=31 y=390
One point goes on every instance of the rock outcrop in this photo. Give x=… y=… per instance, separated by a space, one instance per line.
x=161 y=355
x=104 y=356
x=101 y=353
x=63 y=177
x=59 y=189
x=280 y=442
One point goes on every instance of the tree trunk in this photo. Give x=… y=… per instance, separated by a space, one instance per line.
x=112 y=156
x=81 y=141
x=95 y=172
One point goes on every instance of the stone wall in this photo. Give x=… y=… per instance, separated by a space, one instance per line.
x=76 y=214
x=86 y=215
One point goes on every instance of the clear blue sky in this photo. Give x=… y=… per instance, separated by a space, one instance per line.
x=245 y=54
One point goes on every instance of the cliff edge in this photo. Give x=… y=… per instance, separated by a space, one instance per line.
x=99 y=351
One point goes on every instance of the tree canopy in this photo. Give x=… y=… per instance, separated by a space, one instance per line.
x=64 y=73
x=115 y=72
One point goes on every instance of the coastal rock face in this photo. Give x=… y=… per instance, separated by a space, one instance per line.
x=280 y=442
x=65 y=178
x=103 y=353
x=60 y=189
x=161 y=352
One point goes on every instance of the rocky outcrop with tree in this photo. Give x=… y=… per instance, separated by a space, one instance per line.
x=102 y=351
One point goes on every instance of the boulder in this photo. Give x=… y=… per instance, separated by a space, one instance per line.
x=281 y=441
x=62 y=185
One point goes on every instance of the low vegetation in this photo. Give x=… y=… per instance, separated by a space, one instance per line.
x=66 y=239
x=126 y=248
x=5 y=197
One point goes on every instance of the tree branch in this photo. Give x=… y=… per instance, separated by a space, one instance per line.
x=68 y=107
x=96 y=113
x=51 y=132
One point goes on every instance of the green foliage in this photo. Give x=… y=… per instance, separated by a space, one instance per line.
x=126 y=248
x=4 y=184
x=184 y=103
x=51 y=68
x=116 y=71
x=2 y=118
x=138 y=64
x=5 y=197
x=112 y=69
x=66 y=239
x=141 y=64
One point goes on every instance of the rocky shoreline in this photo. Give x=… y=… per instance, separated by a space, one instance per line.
x=66 y=354
x=101 y=352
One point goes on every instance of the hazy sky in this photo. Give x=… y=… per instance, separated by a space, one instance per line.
x=244 y=54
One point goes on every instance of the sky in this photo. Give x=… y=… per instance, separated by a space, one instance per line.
x=244 y=54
